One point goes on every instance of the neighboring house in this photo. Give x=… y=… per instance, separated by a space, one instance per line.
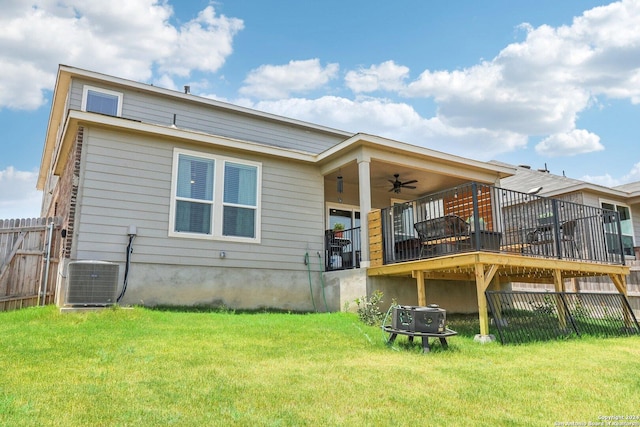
x=624 y=199
x=229 y=206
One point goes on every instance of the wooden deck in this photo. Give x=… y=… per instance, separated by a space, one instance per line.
x=487 y=268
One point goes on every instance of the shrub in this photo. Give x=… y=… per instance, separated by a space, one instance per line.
x=369 y=309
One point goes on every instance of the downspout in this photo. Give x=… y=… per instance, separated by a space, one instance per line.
x=324 y=296
x=132 y=233
x=308 y=264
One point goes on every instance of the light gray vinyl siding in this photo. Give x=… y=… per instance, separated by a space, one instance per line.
x=127 y=181
x=596 y=200
x=591 y=199
x=197 y=116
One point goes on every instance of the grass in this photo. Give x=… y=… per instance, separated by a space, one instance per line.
x=147 y=367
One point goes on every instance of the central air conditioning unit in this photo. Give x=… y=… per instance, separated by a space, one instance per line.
x=92 y=283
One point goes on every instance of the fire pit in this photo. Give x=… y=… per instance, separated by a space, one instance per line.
x=415 y=321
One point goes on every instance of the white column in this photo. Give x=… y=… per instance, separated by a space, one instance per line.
x=364 y=178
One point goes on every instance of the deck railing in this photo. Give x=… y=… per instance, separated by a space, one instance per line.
x=342 y=249
x=478 y=217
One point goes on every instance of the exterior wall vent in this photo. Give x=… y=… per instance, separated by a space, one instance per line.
x=92 y=283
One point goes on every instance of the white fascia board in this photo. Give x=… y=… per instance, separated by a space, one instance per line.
x=414 y=152
x=594 y=188
x=56 y=115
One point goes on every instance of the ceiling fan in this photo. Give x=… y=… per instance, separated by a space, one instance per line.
x=398 y=185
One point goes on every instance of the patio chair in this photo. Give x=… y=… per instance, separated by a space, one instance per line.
x=568 y=229
x=442 y=235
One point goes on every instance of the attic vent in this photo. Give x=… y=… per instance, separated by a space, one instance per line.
x=92 y=283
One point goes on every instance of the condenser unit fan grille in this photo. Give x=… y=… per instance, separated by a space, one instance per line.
x=92 y=283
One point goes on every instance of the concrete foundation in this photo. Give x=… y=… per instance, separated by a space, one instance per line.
x=68 y=309
x=238 y=288
x=484 y=339
x=343 y=287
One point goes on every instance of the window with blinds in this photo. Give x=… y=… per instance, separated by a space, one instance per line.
x=240 y=200
x=215 y=197
x=103 y=101
x=194 y=195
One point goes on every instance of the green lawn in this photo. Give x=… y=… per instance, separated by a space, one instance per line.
x=143 y=367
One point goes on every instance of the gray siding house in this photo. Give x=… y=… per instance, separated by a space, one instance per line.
x=229 y=206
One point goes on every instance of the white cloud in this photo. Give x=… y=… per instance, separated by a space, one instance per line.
x=537 y=86
x=23 y=84
x=386 y=76
x=604 y=180
x=397 y=121
x=578 y=141
x=18 y=195
x=607 y=180
x=279 y=81
x=126 y=38
x=165 y=81
x=507 y=93
x=203 y=44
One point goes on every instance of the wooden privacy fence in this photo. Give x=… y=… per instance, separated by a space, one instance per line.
x=28 y=266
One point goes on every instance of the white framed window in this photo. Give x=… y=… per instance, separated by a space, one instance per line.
x=626 y=227
x=403 y=219
x=215 y=197
x=347 y=215
x=103 y=101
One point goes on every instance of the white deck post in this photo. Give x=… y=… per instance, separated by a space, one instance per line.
x=364 y=175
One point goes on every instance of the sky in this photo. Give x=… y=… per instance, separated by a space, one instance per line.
x=549 y=83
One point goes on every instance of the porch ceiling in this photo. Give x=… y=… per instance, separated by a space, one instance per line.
x=508 y=267
x=383 y=172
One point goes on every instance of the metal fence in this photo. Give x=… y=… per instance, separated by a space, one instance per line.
x=521 y=317
x=478 y=217
x=342 y=249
